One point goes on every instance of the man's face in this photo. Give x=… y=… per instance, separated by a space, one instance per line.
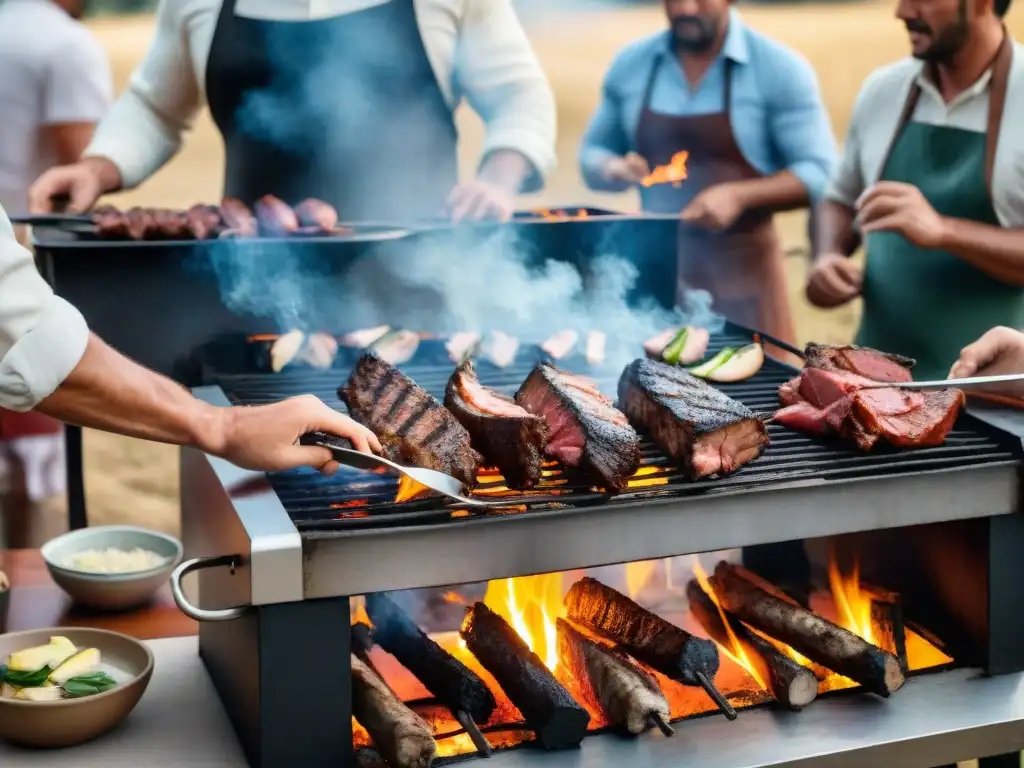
x=696 y=24
x=938 y=28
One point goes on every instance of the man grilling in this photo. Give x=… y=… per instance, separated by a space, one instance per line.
x=932 y=181
x=749 y=113
x=348 y=101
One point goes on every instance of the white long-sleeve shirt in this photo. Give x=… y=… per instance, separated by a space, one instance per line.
x=477 y=48
x=42 y=337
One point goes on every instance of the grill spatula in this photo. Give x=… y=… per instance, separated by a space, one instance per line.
x=972 y=382
x=446 y=485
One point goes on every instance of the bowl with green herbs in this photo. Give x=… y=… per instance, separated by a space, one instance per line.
x=66 y=686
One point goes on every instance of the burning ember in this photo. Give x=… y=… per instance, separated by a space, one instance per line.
x=562 y=215
x=674 y=173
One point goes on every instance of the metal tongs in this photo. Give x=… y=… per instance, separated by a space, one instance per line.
x=446 y=485
x=972 y=382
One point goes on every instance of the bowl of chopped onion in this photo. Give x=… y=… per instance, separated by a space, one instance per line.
x=113 y=567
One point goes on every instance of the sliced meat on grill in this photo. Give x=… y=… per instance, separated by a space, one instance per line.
x=203 y=221
x=869 y=363
x=585 y=431
x=701 y=428
x=141 y=223
x=275 y=217
x=316 y=213
x=110 y=223
x=509 y=437
x=238 y=218
x=171 y=225
x=822 y=402
x=413 y=427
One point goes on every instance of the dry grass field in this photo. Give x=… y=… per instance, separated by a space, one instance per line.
x=131 y=481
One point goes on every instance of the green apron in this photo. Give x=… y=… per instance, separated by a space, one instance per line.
x=926 y=304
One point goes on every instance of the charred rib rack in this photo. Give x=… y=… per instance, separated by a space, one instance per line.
x=585 y=431
x=646 y=637
x=412 y=426
x=508 y=436
x=628 y=696
x=399 y=734
x=792 y=685
x=549 y=710
x=816 y=638
x=698 y=426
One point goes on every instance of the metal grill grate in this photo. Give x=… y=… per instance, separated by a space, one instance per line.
x=352 y=499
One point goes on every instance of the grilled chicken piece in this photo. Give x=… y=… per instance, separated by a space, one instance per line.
x=585 y=431
x=275 y=217
x=701 y=428
x=238 y=218
x=203 y=221
x=412 y=426
x=316 y=213
x=509 y=437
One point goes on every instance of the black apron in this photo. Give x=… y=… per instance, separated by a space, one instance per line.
x=345 y=109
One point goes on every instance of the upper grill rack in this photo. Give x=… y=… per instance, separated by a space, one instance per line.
x=354 y=499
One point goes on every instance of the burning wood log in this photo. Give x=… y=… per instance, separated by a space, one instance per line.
x=362 y=641
x=789 y=683
x=816 y=638
x=629 y=697
x=549 y=709
x=399 y=734
x=453 y=684
x=887 y=615
x=648 y=638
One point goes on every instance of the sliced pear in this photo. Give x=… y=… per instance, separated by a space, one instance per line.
x=82 y=663
x=731 y=365
x=50 y=655
x=42 y=693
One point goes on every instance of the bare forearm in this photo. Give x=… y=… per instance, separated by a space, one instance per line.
x=833 y=229
x=996 y=251
x=108 y=391
x=507 y=169
x=779 y=192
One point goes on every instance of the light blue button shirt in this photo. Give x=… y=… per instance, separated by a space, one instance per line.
x=778 y=118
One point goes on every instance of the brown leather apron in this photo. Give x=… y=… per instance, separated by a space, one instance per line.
x=743 y=267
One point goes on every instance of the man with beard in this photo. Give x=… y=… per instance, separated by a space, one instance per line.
x=749 y=113
x=932 y=181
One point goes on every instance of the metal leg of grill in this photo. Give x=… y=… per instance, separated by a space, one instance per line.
x=1011 y=760
x=75 y=470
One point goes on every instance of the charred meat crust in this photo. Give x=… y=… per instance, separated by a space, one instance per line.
x=413 y=427
x=701 y=428
x=509 y=437
x=585 y=431
x=864 y=361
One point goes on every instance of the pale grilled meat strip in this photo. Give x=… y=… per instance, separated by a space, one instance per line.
x=699 y=427
x=204 y=221
x=316 y=213
x=141 y=223
x=413 y=427
x=111 y=224
x=238 y=218
x=275 y=217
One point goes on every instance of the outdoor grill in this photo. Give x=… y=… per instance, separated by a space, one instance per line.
x=940 y=526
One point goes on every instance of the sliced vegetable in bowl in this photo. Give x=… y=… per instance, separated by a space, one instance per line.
x=731 y=364
x=52 y=672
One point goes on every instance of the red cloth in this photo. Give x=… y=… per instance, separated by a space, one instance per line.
x=31 y=424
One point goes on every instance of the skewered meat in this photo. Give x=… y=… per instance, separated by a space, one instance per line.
x=172 y=225
x=462 y=345
x=508 y=436
x=556 y=718
x=816 y=638
x=141 y=224
x=363 y=338
x=399 y=734
x=238 y=218
x=110 y=223
x=561 y=344
x=204 y=221
x=453 y=684
x=869 y=363
x=701 y=428
x=595 y=347
x=611 y=682
x=679 y=346
x=275 y=217
x=501 y=349
x=316 y=213
x=585 y=431
x=412 y=426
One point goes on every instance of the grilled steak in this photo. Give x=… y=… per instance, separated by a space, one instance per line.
x=701 y=428
x=824 y=401
x=412 y=426
x=869 y=363
x=585 y=431
x=509 y=437
x=275 y=217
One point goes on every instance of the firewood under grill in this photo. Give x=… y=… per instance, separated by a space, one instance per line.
x=648 y=638
x=609 y=680
x=550 y=711
x=792 y=685
x=816 y=638
x=399 y=734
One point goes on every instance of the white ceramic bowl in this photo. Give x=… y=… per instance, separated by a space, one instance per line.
x=111 y=591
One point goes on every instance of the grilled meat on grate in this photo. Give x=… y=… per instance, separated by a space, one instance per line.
x=412 y=426
x=238 y=218
x=701 y=428
x=585 y=431
x=508 y=436
x=316 y=213
x=869 y=363
x=275 y=217
x=204 y=221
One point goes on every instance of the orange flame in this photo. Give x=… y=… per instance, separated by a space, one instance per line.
x=640 y=479
x=853 y=604
x=736 y=651
x=530 y=604
x=560 y=215
x=674 y=173
x=409 y=489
